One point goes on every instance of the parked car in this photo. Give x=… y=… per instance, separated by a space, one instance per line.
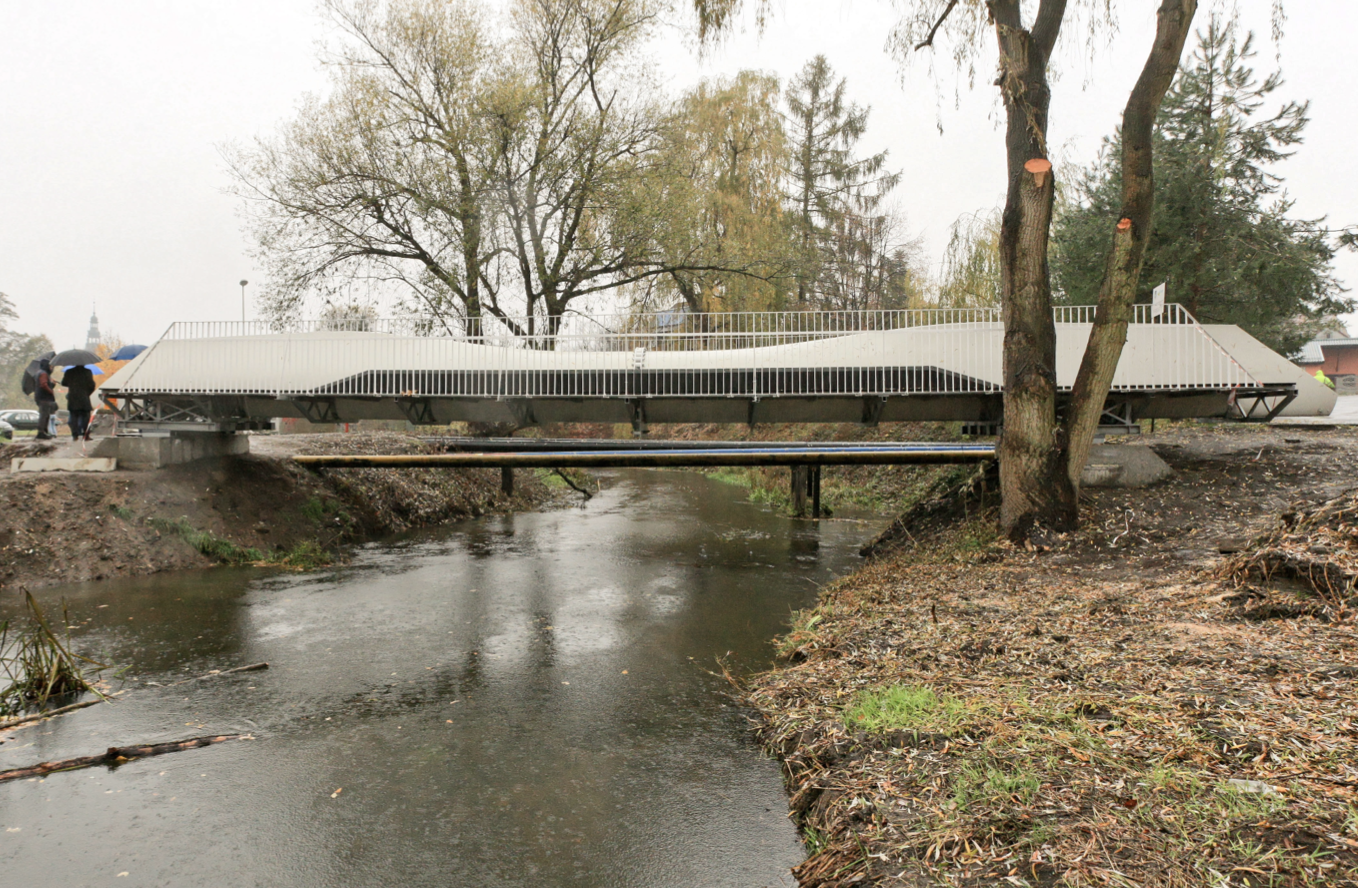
x=6 y=430
x=24 y=420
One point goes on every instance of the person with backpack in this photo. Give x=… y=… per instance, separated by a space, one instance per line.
x=46 y=397
x=79 y=382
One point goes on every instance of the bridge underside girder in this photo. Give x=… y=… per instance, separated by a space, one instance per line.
x=169 y=412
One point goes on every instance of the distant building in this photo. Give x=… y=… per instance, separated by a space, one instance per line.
x=93 y=339
x=1332 y=328
x=1337 y=356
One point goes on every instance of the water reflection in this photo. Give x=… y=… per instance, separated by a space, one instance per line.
x=520 y=700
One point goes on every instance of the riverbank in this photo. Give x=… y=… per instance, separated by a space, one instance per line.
x=1113 y=708
x=64 y=527
x=537 y=686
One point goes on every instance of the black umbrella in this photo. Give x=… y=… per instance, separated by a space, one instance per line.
x=35 y=366
x=73 y=357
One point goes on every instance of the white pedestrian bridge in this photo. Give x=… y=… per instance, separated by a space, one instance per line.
x=862 y=367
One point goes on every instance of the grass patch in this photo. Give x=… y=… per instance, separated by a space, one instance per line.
x=904 y=708
x=314 y=510
x=317 y=510
x=214 y=547
x=306 y=555
x=730 y=475
x=123 y=512
x=813 y=840
x=989 y=783
x=550 y=479
x=802 y=630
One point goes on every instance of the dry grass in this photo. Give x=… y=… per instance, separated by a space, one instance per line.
x=38 y=664
x=965 y=714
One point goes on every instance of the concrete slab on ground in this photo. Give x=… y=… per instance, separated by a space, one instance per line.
x=1345 y=413
x=59 y=464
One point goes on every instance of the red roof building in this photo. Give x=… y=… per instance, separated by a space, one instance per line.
x=1337 y=358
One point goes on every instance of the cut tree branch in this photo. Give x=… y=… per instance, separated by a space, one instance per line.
x=115 y=755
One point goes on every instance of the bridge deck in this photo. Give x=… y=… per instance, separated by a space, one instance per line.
x=860 y=367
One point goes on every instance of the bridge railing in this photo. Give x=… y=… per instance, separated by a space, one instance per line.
x=657 y=331
x=868 y=353
x=681 y=331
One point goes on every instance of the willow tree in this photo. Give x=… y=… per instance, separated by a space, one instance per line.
x=1043 y=450
x=970 y=272
x=726 y=233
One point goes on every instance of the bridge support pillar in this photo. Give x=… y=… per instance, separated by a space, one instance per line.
x=806 y=485
x=507 y=480
x=801 y=481
x=637 y=410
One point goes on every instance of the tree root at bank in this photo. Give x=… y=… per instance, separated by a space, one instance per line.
x=115 y=755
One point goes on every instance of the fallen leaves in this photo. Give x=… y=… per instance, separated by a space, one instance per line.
x=1125 y=726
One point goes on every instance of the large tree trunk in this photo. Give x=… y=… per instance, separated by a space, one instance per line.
x=1034 y=488
x=1131 y=230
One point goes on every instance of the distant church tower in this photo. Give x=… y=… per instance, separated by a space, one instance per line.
x=92 y=338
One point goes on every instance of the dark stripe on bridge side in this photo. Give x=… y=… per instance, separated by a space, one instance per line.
x=653 y=383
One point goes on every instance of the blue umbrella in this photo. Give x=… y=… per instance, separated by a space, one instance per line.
x=127 y=352
x=94 y=368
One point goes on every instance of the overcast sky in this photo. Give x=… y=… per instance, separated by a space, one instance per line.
x=111 y=115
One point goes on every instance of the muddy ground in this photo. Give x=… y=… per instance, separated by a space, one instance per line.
x=64 y=527
x=1105 y=709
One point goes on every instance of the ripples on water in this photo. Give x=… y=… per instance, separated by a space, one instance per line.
x=511 y=701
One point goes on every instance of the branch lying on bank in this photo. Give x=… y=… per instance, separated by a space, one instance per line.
x=38 y=716
x=116 y=754
x=50 y=713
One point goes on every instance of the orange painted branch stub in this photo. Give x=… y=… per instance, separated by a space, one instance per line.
x=1124 y=224
x=1039 y=167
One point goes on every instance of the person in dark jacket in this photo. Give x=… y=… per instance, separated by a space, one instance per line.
x=79 y=382
x=46 y=397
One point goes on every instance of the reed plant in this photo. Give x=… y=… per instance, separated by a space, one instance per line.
x=38 y=666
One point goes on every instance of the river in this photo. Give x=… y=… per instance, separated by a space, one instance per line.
x=522 y=700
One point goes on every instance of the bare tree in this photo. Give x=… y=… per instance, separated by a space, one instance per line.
x=577 y=133
x=389 y=177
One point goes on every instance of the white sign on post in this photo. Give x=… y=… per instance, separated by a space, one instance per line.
x=1158 y=301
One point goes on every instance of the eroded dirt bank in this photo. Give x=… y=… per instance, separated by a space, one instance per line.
x=70 y=527
x=1114 y=708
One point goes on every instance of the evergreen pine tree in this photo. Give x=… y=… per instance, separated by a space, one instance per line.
x=827 y=183
x=1223 y=240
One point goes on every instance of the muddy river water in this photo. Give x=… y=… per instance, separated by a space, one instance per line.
x=511 y=701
